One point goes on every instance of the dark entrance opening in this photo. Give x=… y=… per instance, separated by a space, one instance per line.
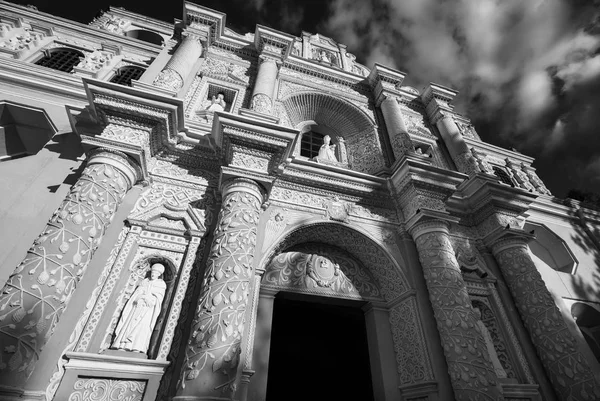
x=318 y=351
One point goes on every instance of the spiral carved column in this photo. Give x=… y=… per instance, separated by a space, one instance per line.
x=471 y=371
x=213 y=352
x=39 y=290
x=568 y=370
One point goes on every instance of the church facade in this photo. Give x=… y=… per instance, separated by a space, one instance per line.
x=194 y=214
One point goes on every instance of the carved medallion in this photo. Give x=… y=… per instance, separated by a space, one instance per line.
x=322 y=270
x=337 y=210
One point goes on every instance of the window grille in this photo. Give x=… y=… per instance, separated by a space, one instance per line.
x=61 y=59
x=502 y=176
x=310 y=144
x=125 y=75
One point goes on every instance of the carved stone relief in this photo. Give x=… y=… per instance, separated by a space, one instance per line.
x=412 y=357
x=387 y=274
x=100 y=389
x=218 y=326
x=315 y=268
x=95 y=60
x=566 y=367
x=470 y=369
x=37 y=293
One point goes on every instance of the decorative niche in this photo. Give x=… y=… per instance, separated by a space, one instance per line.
x=205 y=104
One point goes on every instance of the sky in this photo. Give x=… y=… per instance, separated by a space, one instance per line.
x=527 y=71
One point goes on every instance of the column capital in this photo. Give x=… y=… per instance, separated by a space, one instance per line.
x=501 y=239
x=427 y=221
x=247 y=185
x=118 y=160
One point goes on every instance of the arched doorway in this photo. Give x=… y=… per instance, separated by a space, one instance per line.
x=317 y=286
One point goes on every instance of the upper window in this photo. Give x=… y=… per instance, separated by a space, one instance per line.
x=502 y=175
x=146 y=36
x=61 y=59
x=125 y=75
x=310 y=144
x=551 y=249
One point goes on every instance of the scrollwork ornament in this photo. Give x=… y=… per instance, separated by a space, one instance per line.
x=471 y=372
x=214 y=347
x=261 y=103
x=40 y=288
x=168 y=79
x=568 y=370
x=92 y=389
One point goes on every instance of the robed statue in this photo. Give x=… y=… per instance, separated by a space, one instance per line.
x=141 y=313
x=489 y=344
x=327 y=151
x=217 y=103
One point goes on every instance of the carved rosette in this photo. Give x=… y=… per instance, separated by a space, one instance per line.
x=40 y=288
x=261 y=103
x=168 y=79
x=470 y=368
x=212 y=355
x=566 y=367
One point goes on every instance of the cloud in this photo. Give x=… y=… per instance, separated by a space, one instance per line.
x=528 y=71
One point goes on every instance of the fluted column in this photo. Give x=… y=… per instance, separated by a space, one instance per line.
x=568 y=370
x=262 y=95
x=213 y=352
x=180 y=65
x=39 y=290
x=471 y=371
x=399 y=138
x=459 y=151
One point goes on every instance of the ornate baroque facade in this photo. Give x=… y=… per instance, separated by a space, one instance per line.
x=131 y=143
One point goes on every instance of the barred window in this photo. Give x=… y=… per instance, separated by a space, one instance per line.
x=502 y=175
x=61 y=59
x=125 y=75
x=310 y=144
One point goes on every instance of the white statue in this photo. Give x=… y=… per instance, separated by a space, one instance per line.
x=489 y=344
x=141 y=312
x=327 y=151
x=218 y=103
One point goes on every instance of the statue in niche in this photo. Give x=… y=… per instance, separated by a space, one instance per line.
x=327 y=151
x=489 y=344
x=141 y=312
x=218 y=103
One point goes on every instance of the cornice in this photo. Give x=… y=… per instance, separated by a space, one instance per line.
x=482 y=192
x=425 y=174
x=493 y=150
x=336 y=179
x=313 y=68
x=78 y=28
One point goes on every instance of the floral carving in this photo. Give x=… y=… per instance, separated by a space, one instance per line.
x=566 y=367
x=168 y=79
x=470 y=369
x=215 y=343
x=261 y=103
x=490 y=322
x=38 y=291
x=411 y=355
x=92 y=389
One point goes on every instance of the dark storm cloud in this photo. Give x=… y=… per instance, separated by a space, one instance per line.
x=528 y=71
